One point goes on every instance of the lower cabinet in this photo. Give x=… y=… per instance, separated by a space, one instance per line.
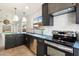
x=31 y=43
x=9 y=41
x=76 y=52
x=36 y=45
x=27 y=41
x=41 y=48
x=13 y=40
x=19 y=40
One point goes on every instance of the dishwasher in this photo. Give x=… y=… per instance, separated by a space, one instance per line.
x=33 y=45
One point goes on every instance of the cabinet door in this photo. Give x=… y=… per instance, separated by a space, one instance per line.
x=77 y=14
x=40 y=48
x=27 y=41
x=51 y=8
x=19 y=39
x=9 y=41
x=50 y=20
x=76 y=52
x=45 y=16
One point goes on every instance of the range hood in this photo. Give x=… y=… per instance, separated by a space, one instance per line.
x=68 y=10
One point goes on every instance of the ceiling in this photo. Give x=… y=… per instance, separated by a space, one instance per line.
x=9 y=8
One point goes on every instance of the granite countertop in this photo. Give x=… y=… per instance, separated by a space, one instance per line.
x=43 y=37
x=49 y=38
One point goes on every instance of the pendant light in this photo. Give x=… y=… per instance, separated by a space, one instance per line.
x=15 y=16
x=24 y=18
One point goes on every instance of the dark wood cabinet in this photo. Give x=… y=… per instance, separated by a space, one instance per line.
x=76 y=52
x=41 y=50
x=46 y=18
x=27 y=41
x=19 y=39
x=9 y=41
x=49 y=8
x=55 y=7
x=77 y=13
x=13 y=40
x=31 y=43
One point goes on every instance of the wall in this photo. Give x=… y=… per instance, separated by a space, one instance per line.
x=14 y=27
x=66 y=22
x=31 y=17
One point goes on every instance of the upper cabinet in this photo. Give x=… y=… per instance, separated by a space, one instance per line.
x=46 y=18
x=49 y=8
x=54 y=7
x=77 y=14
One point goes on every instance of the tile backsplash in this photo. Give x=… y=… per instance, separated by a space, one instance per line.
x=66 y=22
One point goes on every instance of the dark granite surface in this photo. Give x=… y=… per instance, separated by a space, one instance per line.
x=49 y=38
x=44 y=37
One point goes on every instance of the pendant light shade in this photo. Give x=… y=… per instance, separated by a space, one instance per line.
x=16 y=18
x=24 y=18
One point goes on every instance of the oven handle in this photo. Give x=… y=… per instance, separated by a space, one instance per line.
x=65 y=48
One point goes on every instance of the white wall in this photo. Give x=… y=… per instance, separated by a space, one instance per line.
x=66 y=22
x=31 y=17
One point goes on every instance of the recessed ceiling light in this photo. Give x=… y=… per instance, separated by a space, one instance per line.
x=26 y=7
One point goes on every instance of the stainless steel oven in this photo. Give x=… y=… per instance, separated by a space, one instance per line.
x=54 y=49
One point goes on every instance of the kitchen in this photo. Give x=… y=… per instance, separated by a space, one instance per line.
x=43 y=29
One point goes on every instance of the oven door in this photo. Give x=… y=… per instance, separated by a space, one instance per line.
x=54 y=49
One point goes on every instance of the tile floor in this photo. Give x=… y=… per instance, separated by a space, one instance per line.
x=17 y=51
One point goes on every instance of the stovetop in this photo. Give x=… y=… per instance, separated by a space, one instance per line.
x=67 y=38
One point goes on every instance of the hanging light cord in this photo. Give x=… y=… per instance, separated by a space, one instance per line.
x=15 y=10
x=23 y=13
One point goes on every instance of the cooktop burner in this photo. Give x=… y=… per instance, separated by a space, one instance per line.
x=66 y=38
